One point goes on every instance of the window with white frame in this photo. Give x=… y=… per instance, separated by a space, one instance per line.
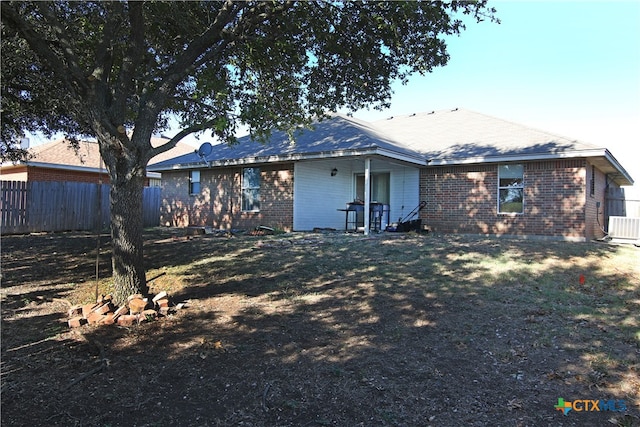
x=194 y=182
x=511 y=189
x=251 y=189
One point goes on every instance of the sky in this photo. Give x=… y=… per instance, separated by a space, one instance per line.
x=566 y=67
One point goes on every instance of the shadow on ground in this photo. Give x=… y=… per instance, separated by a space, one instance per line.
x=324 y=329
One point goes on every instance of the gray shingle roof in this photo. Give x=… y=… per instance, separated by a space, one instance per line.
x=337 y=136
x=438 y=138
x=462 y=134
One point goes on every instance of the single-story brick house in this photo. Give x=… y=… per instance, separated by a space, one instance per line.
x=477 y=175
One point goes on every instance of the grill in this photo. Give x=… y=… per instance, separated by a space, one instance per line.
x=354 y=216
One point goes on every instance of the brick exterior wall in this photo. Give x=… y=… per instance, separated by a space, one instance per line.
x=46 y=174
x=594 y=215
x=460 y=199
x=464 y=199
x=219 y=203
x=30 y=173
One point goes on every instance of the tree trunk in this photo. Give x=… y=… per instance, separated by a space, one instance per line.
x=126 y=237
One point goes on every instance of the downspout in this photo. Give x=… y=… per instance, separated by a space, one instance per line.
x=367 y=194
x=605 y=208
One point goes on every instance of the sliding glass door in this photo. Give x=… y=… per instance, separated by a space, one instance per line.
x=380 y=183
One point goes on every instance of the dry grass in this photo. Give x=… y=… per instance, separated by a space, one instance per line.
x=327 y=329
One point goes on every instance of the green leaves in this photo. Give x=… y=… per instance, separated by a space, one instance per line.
x=265 y=64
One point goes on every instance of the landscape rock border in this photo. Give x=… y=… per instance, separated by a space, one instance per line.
x=138 y=309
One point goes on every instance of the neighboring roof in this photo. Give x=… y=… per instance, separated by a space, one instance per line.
x=461 y=136
x=337 y=136
x=449 y=137
x=59 y=155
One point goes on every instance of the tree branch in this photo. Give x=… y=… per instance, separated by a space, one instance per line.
x=184 y=63
x=40 y=46
x=180 y=135
x=71 y=60
x=202 y=51
x=100 y=76
x=132 y=58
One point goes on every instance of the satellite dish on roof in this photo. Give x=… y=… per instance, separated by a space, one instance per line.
x=204 y=150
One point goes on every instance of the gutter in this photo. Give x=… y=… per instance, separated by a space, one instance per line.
x=515 y=157
x=417 y=160
x=618 y=166
x=420 y=160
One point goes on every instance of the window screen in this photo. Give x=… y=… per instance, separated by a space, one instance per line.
x=510 y=189
x=251 y=189
x=194 y=182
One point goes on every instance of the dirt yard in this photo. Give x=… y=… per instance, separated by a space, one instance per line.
x=327 y=329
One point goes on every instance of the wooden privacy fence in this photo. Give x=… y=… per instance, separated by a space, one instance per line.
x=28 y=207
x=615 y=202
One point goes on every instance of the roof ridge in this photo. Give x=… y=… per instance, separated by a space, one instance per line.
x=492 y=117
x=421 y=113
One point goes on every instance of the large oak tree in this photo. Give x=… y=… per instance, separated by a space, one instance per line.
x=118 y=71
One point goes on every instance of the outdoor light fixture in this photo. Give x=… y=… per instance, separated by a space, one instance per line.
x=334 y=172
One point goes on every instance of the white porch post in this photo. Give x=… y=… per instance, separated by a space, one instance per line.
x=367 y=194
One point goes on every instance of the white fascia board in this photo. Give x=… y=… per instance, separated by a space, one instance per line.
x=65 y=167
x=297 y=157
x=614 y=162
x=518 y=157
x=419 y=160
x=203 y=164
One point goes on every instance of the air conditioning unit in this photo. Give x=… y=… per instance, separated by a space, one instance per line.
x=623 y=227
